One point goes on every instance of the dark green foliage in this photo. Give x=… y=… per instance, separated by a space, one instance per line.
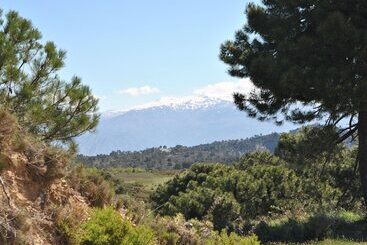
x=317 y=227
x=225 y=212
x=227 y=194
x=31 y=89
x=194 y=204
x=267 y=186
x=262 y=184
x=307 y=59
x=308 y=145
x=301 y=51
x=179 y=157
x=328 y=171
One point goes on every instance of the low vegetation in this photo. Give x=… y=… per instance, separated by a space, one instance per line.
x=277 y=196
x=136 y=182
x=262 y=197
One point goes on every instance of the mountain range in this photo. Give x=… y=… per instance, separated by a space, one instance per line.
x=187 y=121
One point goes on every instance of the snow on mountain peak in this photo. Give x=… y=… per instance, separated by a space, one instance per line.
x=200 y=98
x=174 y=103
x=186 y=102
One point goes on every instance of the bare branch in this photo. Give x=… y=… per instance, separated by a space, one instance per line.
x=5 y=191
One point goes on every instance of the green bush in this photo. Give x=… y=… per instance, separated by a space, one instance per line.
x=267 y=185
x=303 y=177
x=224 y=212
x=232 y=239
x=106 y=227
x=140 y=235
x=327 y=170
x=307 y=145
x=259 y=184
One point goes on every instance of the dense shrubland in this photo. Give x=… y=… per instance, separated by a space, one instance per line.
x=304 y=178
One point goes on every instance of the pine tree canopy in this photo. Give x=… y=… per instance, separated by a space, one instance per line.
x=308 y=60
x=31 y=88
x=307 y=57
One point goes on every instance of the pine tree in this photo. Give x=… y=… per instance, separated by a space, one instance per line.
x=30 y=87
x=308 y=59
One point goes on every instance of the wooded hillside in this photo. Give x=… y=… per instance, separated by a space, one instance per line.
x=179 y=157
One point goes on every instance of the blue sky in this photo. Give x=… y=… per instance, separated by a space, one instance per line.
x=133 y=52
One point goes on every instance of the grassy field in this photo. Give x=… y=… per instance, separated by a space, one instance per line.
x=137 y=182
x=149 y=179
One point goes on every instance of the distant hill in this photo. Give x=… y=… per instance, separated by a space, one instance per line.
x=178 y=157
x=188 y=121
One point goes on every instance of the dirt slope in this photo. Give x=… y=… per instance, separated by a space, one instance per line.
x=33 y=191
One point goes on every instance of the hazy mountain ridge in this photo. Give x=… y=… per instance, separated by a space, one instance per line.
x=189 y=121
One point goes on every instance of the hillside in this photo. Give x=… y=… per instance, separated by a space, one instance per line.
x=34 y=192
x=186 y=121
x=178 y=157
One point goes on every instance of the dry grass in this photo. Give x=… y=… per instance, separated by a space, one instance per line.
x=34 y=195
x=91 y=185
x=13 y=225
x=8 y=127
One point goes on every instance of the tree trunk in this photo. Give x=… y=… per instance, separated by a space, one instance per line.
x=362 y=145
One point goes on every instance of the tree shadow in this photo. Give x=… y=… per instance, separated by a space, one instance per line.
x=318 y=227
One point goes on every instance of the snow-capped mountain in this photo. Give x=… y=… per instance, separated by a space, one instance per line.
x=171 y=121
x=173 y=103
